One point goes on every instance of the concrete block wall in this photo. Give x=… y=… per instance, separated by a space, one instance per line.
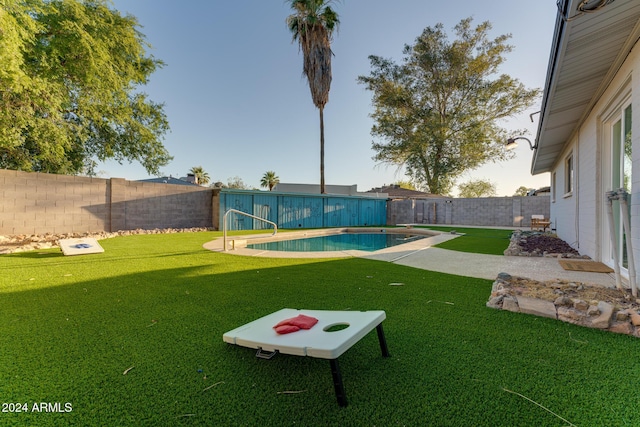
x=151 y=205
x=38 y=203
x=489 y=211
x=483 y=211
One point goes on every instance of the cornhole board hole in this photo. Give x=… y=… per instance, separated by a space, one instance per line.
x=335 y=333
x=82 y=246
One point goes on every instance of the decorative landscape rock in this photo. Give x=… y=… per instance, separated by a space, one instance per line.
x=23 y=243
x=578 y=303
x=535 y=306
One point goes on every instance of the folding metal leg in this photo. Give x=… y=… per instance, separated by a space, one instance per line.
x=383 y=341
x=341 y=395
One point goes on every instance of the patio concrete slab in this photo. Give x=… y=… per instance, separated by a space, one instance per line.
x=421 y=254
x=489 y=266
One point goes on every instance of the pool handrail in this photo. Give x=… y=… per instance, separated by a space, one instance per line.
x=224 y=224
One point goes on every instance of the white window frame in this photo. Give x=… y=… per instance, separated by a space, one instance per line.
x=569 y=175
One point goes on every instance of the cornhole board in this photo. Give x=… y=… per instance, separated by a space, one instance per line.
x=82 y=246
x=322 y=341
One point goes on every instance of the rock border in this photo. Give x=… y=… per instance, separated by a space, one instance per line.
x=25 y=242
x=561 y=300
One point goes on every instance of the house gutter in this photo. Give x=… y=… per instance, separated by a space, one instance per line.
x=558 y=38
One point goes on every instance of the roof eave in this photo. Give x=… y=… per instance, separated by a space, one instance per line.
x=611 y=33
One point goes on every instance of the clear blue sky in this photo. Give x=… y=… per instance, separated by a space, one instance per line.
x=238 y=105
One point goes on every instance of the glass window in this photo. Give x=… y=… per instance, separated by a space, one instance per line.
x=568 y=175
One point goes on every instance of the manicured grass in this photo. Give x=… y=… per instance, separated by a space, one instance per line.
x=156 y=306
x=477 y=240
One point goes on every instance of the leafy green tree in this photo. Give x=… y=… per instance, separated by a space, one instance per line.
x=406 y=185
x=269 y=179
x=312 y=25
x=237 y=182
x=200 y=174
x=522 y=191
x=477 y=188
x=69 y=81
x=437 y=113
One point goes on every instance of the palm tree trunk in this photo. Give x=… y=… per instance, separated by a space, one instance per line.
x=321 y=151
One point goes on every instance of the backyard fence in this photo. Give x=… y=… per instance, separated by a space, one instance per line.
x=290 y=210
x=485 y=211
x=39 y=203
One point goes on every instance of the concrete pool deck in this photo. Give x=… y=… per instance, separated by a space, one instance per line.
x=421 y=254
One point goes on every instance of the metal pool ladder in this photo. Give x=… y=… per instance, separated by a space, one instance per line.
x=224 y=224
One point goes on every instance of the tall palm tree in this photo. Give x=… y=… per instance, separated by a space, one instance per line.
x=202 y=177
x=312 y=27
x=269 y=179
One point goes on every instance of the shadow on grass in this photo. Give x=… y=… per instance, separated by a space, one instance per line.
x=451 y=356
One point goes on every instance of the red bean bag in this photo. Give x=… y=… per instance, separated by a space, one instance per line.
x=295 y=324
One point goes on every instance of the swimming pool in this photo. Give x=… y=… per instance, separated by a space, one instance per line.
x=369 y=242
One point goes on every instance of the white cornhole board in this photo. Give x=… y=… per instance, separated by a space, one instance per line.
x=82 y=246
x=319 y=341
x=315 y=342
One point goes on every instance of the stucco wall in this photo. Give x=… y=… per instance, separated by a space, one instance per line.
x=37 y=203
x=581 y=218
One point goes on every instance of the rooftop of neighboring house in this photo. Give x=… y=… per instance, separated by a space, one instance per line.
x=543 y=191
x=170 y=180
x=396 y=192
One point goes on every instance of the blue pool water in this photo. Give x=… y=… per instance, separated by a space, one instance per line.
x=339 y=242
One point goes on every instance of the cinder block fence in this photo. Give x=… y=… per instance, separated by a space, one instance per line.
x=38 y=203
x=484 y=211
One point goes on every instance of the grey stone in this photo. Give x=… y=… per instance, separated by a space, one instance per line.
x=495 y=302
x=538 y=307
x=635 y=318
x=510 y=304
x=571 y=315
x=593 y=310
x=504 y=276
x=622 y=316
x=580 y=305
x=563 y=301
x=604 y=319
x=621 y=328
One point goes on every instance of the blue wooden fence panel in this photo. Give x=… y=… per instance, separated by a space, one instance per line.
x=290 y=210
x=372 y=212
x=313 y=209
x=240 y=201
x=265 y=206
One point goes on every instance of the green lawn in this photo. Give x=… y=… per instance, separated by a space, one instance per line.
x=477 y=240
x=156 y=306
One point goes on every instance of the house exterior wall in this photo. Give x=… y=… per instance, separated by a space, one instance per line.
x=580 y=218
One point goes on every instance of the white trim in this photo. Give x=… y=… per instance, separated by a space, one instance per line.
x=569 y=175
